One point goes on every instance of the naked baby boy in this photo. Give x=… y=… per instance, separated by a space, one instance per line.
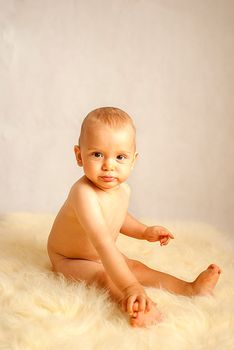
x=82 y=241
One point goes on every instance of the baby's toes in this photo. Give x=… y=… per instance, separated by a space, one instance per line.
x=215 y=268
x=134 y=322
x=135 y=309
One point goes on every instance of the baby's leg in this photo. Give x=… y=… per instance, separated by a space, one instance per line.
x=204 y=283
x=94 y=272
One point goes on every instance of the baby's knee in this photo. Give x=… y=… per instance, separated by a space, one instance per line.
x=136 y=265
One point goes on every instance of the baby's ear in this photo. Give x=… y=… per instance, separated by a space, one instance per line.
x=134 y=159
x=136 y=155
x=78 y=155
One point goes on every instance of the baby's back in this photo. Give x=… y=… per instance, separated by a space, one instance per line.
x=67 y=237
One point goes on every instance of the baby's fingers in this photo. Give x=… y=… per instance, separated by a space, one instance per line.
x=142 y=303
x=164 y=241
x=130 y=302
x=166 y=233
x=170 y=235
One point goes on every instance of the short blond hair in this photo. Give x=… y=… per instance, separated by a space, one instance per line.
x=111 y=116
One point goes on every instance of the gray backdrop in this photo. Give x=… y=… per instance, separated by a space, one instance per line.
x=168 y=63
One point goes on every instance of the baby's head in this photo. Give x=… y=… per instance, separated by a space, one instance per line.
x=107 y=145
x=112 y=117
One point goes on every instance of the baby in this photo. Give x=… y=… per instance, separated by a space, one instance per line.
x=82 y=241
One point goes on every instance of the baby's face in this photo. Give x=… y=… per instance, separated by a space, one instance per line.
x=106 y=154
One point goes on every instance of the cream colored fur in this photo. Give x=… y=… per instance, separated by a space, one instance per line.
x=42 y=311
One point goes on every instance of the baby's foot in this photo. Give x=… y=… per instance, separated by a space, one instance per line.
x=206 y=281
x=145 y=319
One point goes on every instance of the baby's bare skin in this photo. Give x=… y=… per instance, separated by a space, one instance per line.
x=68 y=240
x=67 y=237
x=81 y=244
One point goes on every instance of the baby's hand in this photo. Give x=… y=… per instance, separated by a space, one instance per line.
x=132 y=294
x=158 y=233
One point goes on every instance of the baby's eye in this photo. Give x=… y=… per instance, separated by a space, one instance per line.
x=121 y=157
x=97 y=154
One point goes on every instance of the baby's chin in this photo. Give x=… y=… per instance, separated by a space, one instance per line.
x=105 y=184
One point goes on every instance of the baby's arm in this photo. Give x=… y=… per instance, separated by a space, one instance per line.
x=132 y=227
x=90 y=216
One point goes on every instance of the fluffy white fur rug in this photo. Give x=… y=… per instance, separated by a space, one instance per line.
x=42 y=311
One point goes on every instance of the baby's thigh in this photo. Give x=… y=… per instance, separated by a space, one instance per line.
x=80 y=270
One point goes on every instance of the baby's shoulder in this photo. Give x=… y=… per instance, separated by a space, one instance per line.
x=83 y=182
x=81 y=189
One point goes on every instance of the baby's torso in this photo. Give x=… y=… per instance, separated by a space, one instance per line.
x=68 y=239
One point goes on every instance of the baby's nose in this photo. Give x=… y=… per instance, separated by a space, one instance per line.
x=108 y=165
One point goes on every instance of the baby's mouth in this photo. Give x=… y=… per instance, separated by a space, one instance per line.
x=108 y=178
